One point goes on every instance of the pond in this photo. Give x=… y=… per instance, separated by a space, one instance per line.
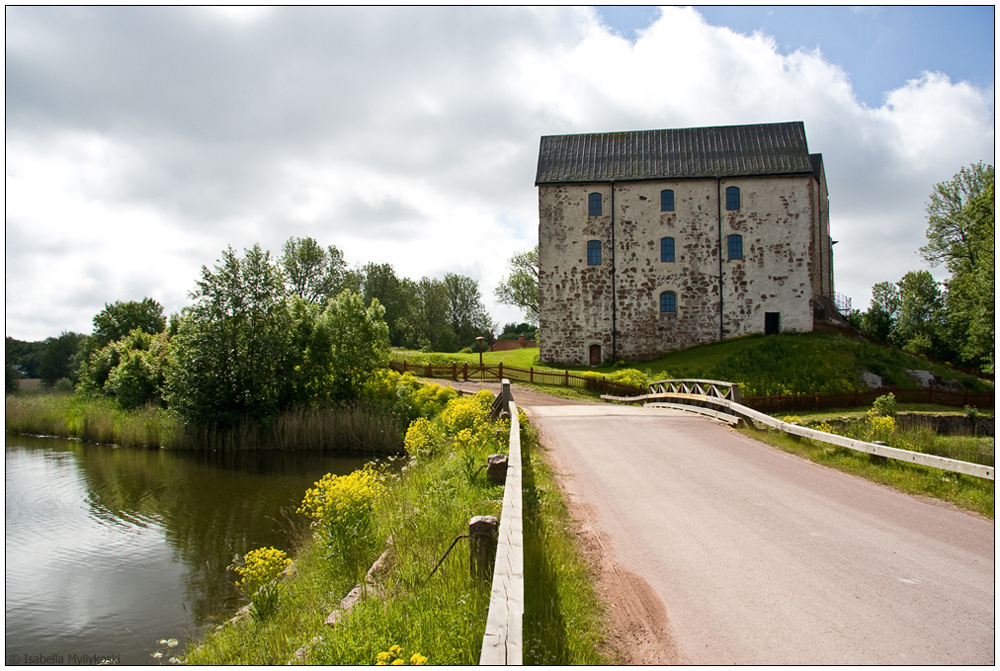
x=109 y=550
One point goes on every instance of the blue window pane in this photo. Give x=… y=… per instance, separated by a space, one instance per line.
x=667 y=200
x=593 y=252
x=667 y=250
x=668 y=301
x=596 y=202
x=732 y=198
x=734 y=247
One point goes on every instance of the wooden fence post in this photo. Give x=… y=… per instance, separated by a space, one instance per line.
x=465 y=371
x=567 y=378
x=483 y=532
x=531 y=378
x=500 y=373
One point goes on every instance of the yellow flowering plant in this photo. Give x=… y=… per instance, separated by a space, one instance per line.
x=395 y=657
x=341 y=506
x=261 y=567
x=259 y=574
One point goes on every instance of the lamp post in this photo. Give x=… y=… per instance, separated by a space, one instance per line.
x=479 y=339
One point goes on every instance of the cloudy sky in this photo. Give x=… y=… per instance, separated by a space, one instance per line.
x=140 y=142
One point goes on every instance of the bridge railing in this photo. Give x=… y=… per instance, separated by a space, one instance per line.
x=683 y=393
x=503 y=639
x=713 y=388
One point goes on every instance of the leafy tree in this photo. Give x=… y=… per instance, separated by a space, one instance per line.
x=513 y=331
x=130 y=370
x=918 y=327
x=466 y=313
x=120 y=318
x=24 y=354
x=961 y=234
x=520 y=288
x=880 y=318
x=429 y=324
x=230 y=355
x=55 y=360
x=12 y=379
x=379 y=281
x=954 y=229
x=350 y=342
x=311 y=272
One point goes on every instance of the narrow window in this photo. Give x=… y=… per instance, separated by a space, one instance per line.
x=596 y=203
x=667 y=200
x=668 y=302
x=732 y=197
x=734 y=247
x=667 y=250
x=593 y=252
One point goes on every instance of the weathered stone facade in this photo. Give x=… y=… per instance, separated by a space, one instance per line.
x=592 y=311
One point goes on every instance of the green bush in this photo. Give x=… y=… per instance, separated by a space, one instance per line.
x=885 y=406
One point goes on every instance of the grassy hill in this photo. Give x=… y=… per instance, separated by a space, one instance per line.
x=817 y=362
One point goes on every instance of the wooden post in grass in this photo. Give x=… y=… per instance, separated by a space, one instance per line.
x=483 y=531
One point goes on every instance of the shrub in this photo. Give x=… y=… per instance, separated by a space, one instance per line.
x=422 y=438
x=260 y=567
x=259 y=573
x=884 y=406
x=462 y=413
x=341 y=506
x=880 y=428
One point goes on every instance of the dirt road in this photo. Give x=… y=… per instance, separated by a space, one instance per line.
x=716 y=549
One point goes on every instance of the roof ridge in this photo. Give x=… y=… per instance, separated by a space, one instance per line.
x=705 y=151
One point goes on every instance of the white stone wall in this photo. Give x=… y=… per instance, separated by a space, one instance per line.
x=785 y=264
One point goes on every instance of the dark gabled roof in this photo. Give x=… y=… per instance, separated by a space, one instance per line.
x=677 y=153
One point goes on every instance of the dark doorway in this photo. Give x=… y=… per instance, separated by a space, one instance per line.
x=595 y=355
x=772 y=323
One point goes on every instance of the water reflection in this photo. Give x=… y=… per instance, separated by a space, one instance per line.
x=109 y=550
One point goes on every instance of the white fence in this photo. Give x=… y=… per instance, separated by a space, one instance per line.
x=502 y=642
x=713 y=394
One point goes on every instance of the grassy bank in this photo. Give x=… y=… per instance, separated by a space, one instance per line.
x=100 y=420
x=965 y=491
x=440 y=617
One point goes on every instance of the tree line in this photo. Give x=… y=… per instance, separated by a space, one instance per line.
x=953 y=320
x=262 y=334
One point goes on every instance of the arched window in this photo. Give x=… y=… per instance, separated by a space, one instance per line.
x=595 y=204
x=734 y=247
x=593 y=252
x=667 y=250
x=732 y=197
x=667 y=200
x=668 y=302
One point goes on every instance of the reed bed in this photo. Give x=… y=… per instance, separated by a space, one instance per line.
x=355 y=428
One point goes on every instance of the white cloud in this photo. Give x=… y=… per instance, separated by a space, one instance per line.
x=143 y=141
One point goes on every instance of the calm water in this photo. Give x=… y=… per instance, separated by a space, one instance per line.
x=109 y=550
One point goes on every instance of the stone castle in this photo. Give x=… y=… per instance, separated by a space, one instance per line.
x=653 y=241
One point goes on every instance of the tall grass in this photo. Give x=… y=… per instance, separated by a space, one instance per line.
x=357 y=428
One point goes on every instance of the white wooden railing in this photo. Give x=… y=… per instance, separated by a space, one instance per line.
x=699 y=395
x=502 y=641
